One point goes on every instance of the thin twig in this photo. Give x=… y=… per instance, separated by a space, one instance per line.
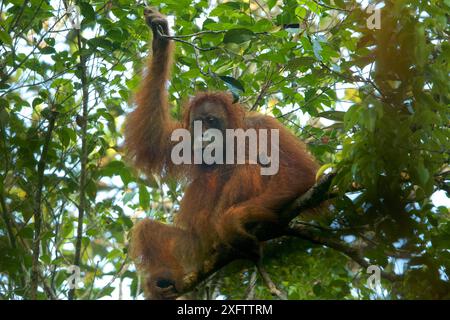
x=82 y=208
x=177 y=39
x=353 y=253
x=263 y=9
x=196 y=34
x=330 y=7
x=270 y=284
x=8 y=75
x=263 y=91
x=48 y=289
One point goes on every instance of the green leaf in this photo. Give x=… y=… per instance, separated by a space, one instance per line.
x=238 y=35
x=87 y=11
x=300 y=62
x=234 y=85
x=317 y=48
x=4 y=117
x=262 y=25
x=370 y=117
x=317 y=289
x=423 y=173
x=100 y=42
x=37 y=101
x=333 y=115
x=225 y=8
x=128 y=197
x=48 y=50
x=300 y=12
x=115 y=253
x=352 y=115
x=5 y=38
x=64 y=136
x=271 y=3
x=323 y=168
x=144 y=197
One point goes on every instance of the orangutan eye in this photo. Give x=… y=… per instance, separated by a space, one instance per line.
x=211 y=120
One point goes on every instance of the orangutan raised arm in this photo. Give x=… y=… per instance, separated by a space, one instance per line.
x=148 y=128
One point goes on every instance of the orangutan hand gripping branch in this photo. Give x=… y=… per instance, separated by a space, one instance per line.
x=221 y=200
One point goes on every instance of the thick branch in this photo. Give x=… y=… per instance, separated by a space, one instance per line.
x=222 y=255
x=251 y=286
x=319 y=193
x=311 y=199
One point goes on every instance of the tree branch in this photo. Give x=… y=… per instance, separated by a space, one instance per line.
x=330 y=7
x=221 y=255
x=250 y=295
x=307 y=233
x=270 y=284
x=7 y=219
x=37 y=213
x=82 y=208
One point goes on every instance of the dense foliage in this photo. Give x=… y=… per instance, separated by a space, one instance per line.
x=371 y=101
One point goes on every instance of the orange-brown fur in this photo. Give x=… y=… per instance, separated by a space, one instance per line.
x=217 y=203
